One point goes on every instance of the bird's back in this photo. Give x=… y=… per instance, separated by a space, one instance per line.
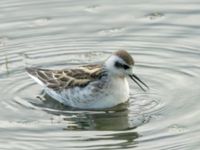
x=66 y=78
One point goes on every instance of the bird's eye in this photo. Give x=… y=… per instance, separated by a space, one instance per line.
x=126 y=67
x=119 y=65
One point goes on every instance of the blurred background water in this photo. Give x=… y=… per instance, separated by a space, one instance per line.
x=162 y=36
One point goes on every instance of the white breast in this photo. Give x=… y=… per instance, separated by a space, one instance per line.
x=120 y=90
x=112 y=93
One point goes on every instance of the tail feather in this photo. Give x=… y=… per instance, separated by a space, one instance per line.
x=33 y=73
x=31 y=70
x=44 y=77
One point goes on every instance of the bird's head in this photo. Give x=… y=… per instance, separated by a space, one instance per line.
x=120 y=64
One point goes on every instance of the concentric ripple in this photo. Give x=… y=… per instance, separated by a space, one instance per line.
x=161 y=36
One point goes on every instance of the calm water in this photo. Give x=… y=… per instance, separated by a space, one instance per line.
x=162 y=36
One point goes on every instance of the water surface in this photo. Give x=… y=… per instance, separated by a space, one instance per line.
x=163 y=38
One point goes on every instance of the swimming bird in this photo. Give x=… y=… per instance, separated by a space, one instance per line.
x=91 y=87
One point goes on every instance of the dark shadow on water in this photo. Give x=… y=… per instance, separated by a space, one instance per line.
x=123 y=140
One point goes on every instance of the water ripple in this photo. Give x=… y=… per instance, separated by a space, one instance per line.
x=161 y=36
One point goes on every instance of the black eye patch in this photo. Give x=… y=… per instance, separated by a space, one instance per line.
x=119 y=65
x=126 y=67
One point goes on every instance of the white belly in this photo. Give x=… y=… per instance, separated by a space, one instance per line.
x=112 y=93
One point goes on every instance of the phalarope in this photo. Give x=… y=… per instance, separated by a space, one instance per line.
x=98 y=86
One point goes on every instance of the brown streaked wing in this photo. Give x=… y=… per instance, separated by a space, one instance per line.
x=46 y=76
x=59 y=79
x=95 y=71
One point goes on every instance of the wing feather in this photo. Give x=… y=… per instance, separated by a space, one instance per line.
x=68 y=78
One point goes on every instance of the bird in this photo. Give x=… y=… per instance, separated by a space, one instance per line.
x=92 y=86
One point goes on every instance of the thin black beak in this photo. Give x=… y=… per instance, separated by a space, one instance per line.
x=138 y=81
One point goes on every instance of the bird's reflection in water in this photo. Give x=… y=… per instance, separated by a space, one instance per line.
x=118 y=118
x=123 y=140
x=119 y=123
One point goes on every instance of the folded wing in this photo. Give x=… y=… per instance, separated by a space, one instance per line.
x=64 y=79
